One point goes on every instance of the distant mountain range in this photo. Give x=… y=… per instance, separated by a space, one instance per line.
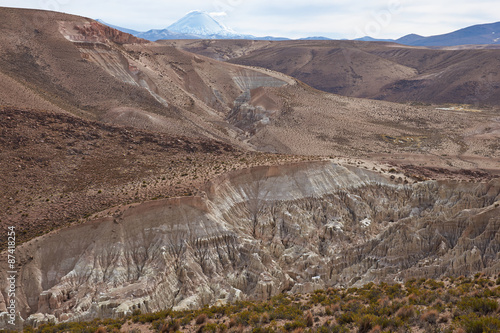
x=476 y=35
x=194 y=25
x=201 y=25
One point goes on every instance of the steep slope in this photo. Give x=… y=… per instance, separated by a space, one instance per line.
x=91 y=70
x=446 y=76
x=37 y=55
x=257 y=233
x=94 y=71
x=72 y=64
x=119 y=144
x=332 y=66
x=58 y=168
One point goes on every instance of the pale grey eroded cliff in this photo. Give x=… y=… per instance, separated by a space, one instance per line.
x=256 y=233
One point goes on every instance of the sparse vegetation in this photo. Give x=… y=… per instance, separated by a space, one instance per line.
x=126 y=166
x=80 y=143
x=459 y=305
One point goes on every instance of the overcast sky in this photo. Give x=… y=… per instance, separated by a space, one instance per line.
x=289 y=18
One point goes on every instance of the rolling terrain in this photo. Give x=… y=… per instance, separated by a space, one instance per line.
x=140 y=175
x=75 y=65
x=376 y=70
x=482 y=34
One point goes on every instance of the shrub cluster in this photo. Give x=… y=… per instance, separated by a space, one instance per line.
x=463 y=304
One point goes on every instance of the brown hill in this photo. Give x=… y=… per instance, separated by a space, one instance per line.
x=378 y=70
x=75 y=65
x=70 y=63
x=104 y=133
x=57 y=168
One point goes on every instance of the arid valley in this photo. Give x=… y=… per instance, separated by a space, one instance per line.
x=172 y=176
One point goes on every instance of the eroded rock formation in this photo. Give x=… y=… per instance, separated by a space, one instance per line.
x=256 y=233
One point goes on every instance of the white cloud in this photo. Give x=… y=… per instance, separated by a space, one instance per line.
x=218 y=14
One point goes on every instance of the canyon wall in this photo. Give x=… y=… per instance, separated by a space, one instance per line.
x=253 y=234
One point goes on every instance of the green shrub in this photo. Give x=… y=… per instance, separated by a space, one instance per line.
x=395 y=291
x=433 y=285
x=373 y=294
x=149 y=317
x=263 y=330
x=243 y=317
x=339 y=329
x=280 y=299
x=210 y=327
x=479 y=305
x=169 y=326
x=474 y=324
x=352 y=305
x=299 y=323
x=468 y=305
x=319 y=297
x=345 y=318
x=290 y=312
x=366 y=323
x=323 y=329
x=254 y=319
x=387 y=322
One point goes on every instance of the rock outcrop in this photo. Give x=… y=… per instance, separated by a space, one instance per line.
x=257 y=233
x=99 y=32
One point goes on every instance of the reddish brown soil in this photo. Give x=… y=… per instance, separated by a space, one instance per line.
x=58 y=169
x=65 y=80
x=100 y=33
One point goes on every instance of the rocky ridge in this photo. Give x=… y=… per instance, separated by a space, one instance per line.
x=256 y=233
x=118 y=122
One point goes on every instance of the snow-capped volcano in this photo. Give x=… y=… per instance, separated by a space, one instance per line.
x=194 y=25
x=202 y=24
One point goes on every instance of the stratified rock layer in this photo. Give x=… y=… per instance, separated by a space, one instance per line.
x=256 y=233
